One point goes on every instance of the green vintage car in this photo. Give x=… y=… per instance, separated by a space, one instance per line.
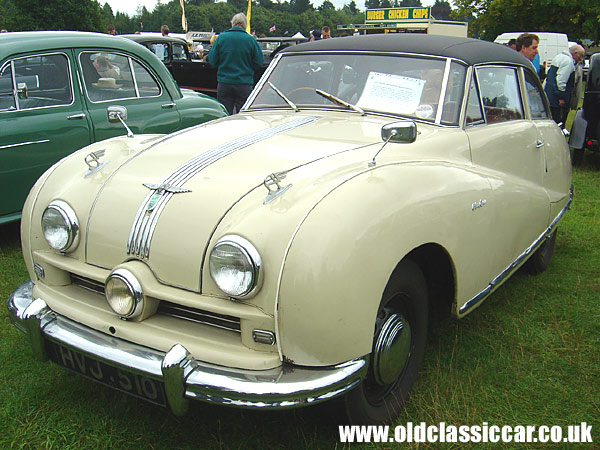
x=60 y=91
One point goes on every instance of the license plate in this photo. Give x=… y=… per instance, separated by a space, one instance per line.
x=122 y=380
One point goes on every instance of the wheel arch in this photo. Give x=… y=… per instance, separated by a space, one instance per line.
x=438 y=270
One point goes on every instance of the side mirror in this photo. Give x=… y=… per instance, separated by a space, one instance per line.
x=22 y=90
x=116 y=113
x=404 y=131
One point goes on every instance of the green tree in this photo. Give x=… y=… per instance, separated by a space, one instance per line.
x=579 y=20
x=441 y=10
x=300 y=6
x=25 y=15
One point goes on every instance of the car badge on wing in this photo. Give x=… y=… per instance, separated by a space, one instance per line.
x=272 y=181
x=92 y=159
x=160 y=189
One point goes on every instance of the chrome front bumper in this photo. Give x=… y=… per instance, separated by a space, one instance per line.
x=184 y=377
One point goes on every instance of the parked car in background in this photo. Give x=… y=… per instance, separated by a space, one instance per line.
x=193 y=72
x=291 y=253
x=60 y=91
x=585 y=131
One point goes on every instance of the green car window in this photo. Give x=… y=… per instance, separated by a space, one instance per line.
x=112 y=76
x=7 y=98
x=40 y=81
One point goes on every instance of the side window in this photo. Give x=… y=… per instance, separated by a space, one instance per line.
x=108 y=76
x=474 y=113
x=500 y=93
x=535 y=98
x=160 y=50
x=7 y=98
x=147 y=85
x=178 y=52
x=47 y=80
x=454 y=94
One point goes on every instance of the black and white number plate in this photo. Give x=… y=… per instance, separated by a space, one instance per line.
x=128 y=382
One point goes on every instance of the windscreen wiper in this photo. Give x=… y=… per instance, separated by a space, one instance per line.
x=281 y=94
x=339 y=101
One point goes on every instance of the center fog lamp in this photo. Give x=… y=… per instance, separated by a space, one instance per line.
x=235 y=266
x=124 y=294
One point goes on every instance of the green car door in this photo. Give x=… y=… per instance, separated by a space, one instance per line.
x=114 y=79
x=42 y=119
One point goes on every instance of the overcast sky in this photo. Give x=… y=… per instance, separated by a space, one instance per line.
x=129 y=7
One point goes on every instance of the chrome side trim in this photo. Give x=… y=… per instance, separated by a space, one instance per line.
x=503 y=276
x=184 y=377
x=42 y=141
x=142 y=229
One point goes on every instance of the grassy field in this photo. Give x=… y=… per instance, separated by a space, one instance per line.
x=528 y=355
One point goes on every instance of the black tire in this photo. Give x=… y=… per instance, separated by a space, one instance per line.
x=538 y=262
x=401 y=335
x=578 y=156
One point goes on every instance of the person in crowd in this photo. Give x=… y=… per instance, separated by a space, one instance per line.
x=325 y=32
x=512 y=43
x=199 y=50
x=315 y=35
x=105 y=68
x=110 y=29
x=577 y=86
x=164 y=30
x=560 y=80
x=236 y=55
x=527 y=45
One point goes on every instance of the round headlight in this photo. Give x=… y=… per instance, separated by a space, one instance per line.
x=60 y=226
x=124 y=294
x=235 y=266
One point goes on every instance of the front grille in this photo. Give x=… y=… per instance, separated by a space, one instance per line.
x=171 y=309
x=87 y=283
x=195 y=315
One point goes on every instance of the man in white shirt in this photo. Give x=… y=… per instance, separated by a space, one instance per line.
x=559 y=82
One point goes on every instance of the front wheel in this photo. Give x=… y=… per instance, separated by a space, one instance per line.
x=538 y=262
x=398 y=347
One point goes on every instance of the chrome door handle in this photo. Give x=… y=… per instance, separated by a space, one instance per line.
x=76 y=116
x=539 y=143
x=167 y=105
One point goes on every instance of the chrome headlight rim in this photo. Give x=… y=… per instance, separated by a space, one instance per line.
x=135 y=290
x=251 y=253
x=71 y=224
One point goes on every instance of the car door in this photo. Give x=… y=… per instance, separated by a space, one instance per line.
x=126 y=82
x=182 y=67
x=557 y=164
x=505 y=147
x=42 y=120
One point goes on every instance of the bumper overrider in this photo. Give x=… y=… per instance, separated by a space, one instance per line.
x=182 y=376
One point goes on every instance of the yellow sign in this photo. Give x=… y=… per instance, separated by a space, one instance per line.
x=397 y=14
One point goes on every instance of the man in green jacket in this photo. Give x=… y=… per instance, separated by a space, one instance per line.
x=235 y=54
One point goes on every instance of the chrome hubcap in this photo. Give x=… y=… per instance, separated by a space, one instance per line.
x=392 y=349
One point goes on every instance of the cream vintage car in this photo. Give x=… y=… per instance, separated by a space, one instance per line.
x=291 y=253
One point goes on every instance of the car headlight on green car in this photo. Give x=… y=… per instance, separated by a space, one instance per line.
x=60 y=226
x=236 y=266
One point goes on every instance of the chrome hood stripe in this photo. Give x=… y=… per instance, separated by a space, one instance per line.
x=144 y=224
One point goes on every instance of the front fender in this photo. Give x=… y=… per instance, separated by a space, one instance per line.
x=346 y=248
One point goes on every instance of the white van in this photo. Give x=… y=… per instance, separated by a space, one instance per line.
x=550 y=45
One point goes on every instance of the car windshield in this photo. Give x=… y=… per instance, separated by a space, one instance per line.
x=400 y=85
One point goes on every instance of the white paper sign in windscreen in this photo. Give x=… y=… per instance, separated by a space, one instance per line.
x=393 y=93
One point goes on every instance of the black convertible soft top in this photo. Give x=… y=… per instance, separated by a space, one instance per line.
x=471 y=51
